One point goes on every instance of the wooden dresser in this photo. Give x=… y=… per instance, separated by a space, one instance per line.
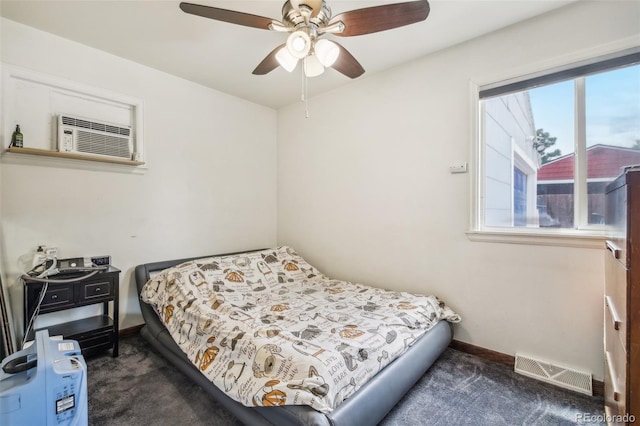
x=622 y=299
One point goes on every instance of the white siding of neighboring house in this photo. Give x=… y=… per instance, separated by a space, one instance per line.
x=509 y=130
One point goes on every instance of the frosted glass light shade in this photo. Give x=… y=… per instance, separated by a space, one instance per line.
x=327 y=52
x=312 y=66
x=299 y=44
x=286 y=59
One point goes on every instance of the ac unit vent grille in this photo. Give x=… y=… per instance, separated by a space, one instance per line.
x=86 y=124
x=96 y=143
x=568 y=378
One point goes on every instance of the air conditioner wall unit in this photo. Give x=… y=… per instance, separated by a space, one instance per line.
x=88 y=136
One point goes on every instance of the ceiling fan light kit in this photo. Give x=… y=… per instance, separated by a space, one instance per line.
x=312 y=66
x=307 y=21
x=299 y=44
x=286 y=59
x=327 y=52
x=316 y=55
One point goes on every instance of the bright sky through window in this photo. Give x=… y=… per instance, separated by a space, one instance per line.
x=613 y=109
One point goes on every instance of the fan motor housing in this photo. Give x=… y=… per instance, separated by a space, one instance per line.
x=292 y=16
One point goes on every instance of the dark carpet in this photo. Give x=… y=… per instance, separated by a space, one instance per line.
x=141 y=388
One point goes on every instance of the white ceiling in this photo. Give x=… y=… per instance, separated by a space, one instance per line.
x=221 y=55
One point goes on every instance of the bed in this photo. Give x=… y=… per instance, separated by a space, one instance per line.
x=275 y=341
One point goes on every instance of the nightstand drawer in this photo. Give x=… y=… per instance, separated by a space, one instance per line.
x=57 y=297
x=96 y=291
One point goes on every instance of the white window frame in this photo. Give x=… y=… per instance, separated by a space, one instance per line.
x=583 y=235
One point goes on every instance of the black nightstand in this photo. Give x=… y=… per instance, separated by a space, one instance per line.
x=95 y=333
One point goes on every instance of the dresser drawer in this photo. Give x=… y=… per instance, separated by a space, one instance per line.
x=57 y=297
x=617 y=352
x=614 y=388
x=94 y=292
x=615 y=292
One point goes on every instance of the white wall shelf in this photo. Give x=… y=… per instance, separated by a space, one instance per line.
x=74 y=156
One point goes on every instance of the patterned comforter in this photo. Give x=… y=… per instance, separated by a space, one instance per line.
x=269 y=329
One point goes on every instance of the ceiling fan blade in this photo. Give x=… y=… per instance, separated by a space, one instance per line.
x=231 y=16
x=269 y=63
x=347 y=64
x=381 y=18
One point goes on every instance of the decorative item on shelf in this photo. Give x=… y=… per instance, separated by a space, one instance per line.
x=17 y=138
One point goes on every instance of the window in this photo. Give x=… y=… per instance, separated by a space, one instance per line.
x=550 y=143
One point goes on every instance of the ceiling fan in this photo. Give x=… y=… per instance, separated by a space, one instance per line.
x=307 y=21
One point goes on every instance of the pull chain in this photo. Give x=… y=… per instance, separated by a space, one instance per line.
x=305 y=89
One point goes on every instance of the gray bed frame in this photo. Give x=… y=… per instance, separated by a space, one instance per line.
x=367 y=406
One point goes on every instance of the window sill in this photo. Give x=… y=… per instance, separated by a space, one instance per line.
x=561 y=238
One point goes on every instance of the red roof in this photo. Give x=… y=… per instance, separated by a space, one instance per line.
x=603 y=161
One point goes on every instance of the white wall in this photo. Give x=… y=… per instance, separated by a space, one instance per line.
x=210 y=186
x=364 y=191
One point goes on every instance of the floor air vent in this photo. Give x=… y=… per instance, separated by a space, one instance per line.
x=579 y=381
